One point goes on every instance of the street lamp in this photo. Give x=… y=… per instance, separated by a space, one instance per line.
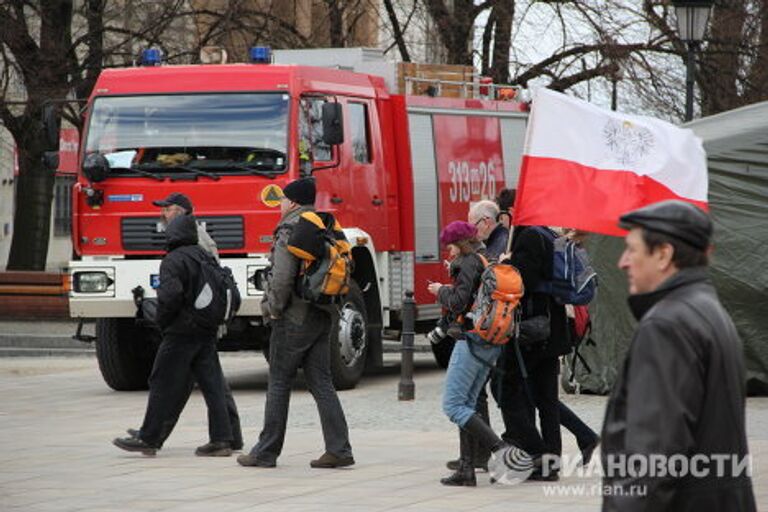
x=692 y=18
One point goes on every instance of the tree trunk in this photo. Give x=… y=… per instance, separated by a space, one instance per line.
x=502 y=14
x=397 y=31
x=32 y=218
x=336 y=23
x=718 y=72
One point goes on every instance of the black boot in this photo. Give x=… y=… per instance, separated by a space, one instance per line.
x=481 y=453
x=465 y=473
x=515 y=459
x=484 y=434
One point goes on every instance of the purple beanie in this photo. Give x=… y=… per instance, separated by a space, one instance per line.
x=456 y=231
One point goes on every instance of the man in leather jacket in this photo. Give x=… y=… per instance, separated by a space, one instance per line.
x=678 y=404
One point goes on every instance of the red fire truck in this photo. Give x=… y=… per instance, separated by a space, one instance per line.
x=392 y=167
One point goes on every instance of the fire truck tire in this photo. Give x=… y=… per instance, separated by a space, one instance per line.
x=125 y=353
x=349 y=341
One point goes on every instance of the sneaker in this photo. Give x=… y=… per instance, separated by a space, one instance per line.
x=252 y=461
x=329 y=460
x=218 y=449
x=133 y=444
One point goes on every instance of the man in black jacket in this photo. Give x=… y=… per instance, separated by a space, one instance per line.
x=172 y=206
x=186 y=349
x=679 y=399
x=519 y=398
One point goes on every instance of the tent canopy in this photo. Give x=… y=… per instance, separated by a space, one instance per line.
x=736 y=143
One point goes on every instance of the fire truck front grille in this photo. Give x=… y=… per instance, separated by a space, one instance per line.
x=146 y=233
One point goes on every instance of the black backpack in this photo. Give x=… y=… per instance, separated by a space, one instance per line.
x=215 y=297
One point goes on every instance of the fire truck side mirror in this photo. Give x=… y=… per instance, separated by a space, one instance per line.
x=333 y=125
x=96 y=167
x=50 y=127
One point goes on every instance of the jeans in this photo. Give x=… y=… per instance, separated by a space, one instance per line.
x=305 y=345
x=178 y=358
x=468 y=370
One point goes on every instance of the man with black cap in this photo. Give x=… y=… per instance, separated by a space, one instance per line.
x=300 y=337
x=188 y=350
x=175 y=205
x=674 y=433
x=178 y=204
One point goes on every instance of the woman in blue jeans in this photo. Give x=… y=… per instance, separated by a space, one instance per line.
x=472 y=358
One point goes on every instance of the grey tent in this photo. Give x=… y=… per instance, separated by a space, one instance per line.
x=736 y=143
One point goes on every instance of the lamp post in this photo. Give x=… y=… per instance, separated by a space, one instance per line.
x=692 y=19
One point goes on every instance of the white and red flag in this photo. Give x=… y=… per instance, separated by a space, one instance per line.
x=583 y=166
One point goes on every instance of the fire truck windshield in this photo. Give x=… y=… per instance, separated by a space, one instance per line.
x=231 y=133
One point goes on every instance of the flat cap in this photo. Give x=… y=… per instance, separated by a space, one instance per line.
x=678 y=219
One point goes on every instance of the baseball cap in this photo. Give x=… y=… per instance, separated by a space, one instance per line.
x=176 y=198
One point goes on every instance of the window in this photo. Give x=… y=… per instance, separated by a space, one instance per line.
x=62 y=211
x=312 y=148
x=358 y=121
x=216 y=132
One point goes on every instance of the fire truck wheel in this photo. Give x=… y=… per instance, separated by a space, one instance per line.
x=349 y=341
x=125 y=353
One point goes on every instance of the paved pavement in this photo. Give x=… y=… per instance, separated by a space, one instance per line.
x=58 y=418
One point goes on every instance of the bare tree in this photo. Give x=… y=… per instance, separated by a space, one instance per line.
x=588 y=47
x=455 y=25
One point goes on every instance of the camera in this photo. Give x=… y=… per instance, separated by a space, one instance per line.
x=440 y=332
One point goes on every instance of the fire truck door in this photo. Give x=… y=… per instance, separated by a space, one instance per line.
x=365 y=170
x=332 y=182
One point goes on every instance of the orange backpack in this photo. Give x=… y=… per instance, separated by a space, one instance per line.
x=494 y=312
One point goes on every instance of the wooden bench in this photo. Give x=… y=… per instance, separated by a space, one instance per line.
x=34 y=295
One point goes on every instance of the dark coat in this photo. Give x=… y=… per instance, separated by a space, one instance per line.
x=680 y=391
x=532 y=255
x=496 y=245
x=178 y=273
x=457 y=298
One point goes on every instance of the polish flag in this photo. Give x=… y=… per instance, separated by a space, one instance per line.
x=583 y=167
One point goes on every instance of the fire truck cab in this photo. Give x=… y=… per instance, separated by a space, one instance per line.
x=393 y=167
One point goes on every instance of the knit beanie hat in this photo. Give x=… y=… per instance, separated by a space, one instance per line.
x=301 y=191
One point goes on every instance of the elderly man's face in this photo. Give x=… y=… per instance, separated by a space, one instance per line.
x=168 y=213
x=484 y=226
x=645 y=269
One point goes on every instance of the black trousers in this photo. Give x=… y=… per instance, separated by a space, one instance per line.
x=180 y=359
x=305 y=345
x=519 y=405
x=234 y=416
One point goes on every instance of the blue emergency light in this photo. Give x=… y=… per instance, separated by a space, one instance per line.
x=151 y=57
x=261 y=54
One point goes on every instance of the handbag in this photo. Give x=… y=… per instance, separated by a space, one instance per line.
x=534 y=329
